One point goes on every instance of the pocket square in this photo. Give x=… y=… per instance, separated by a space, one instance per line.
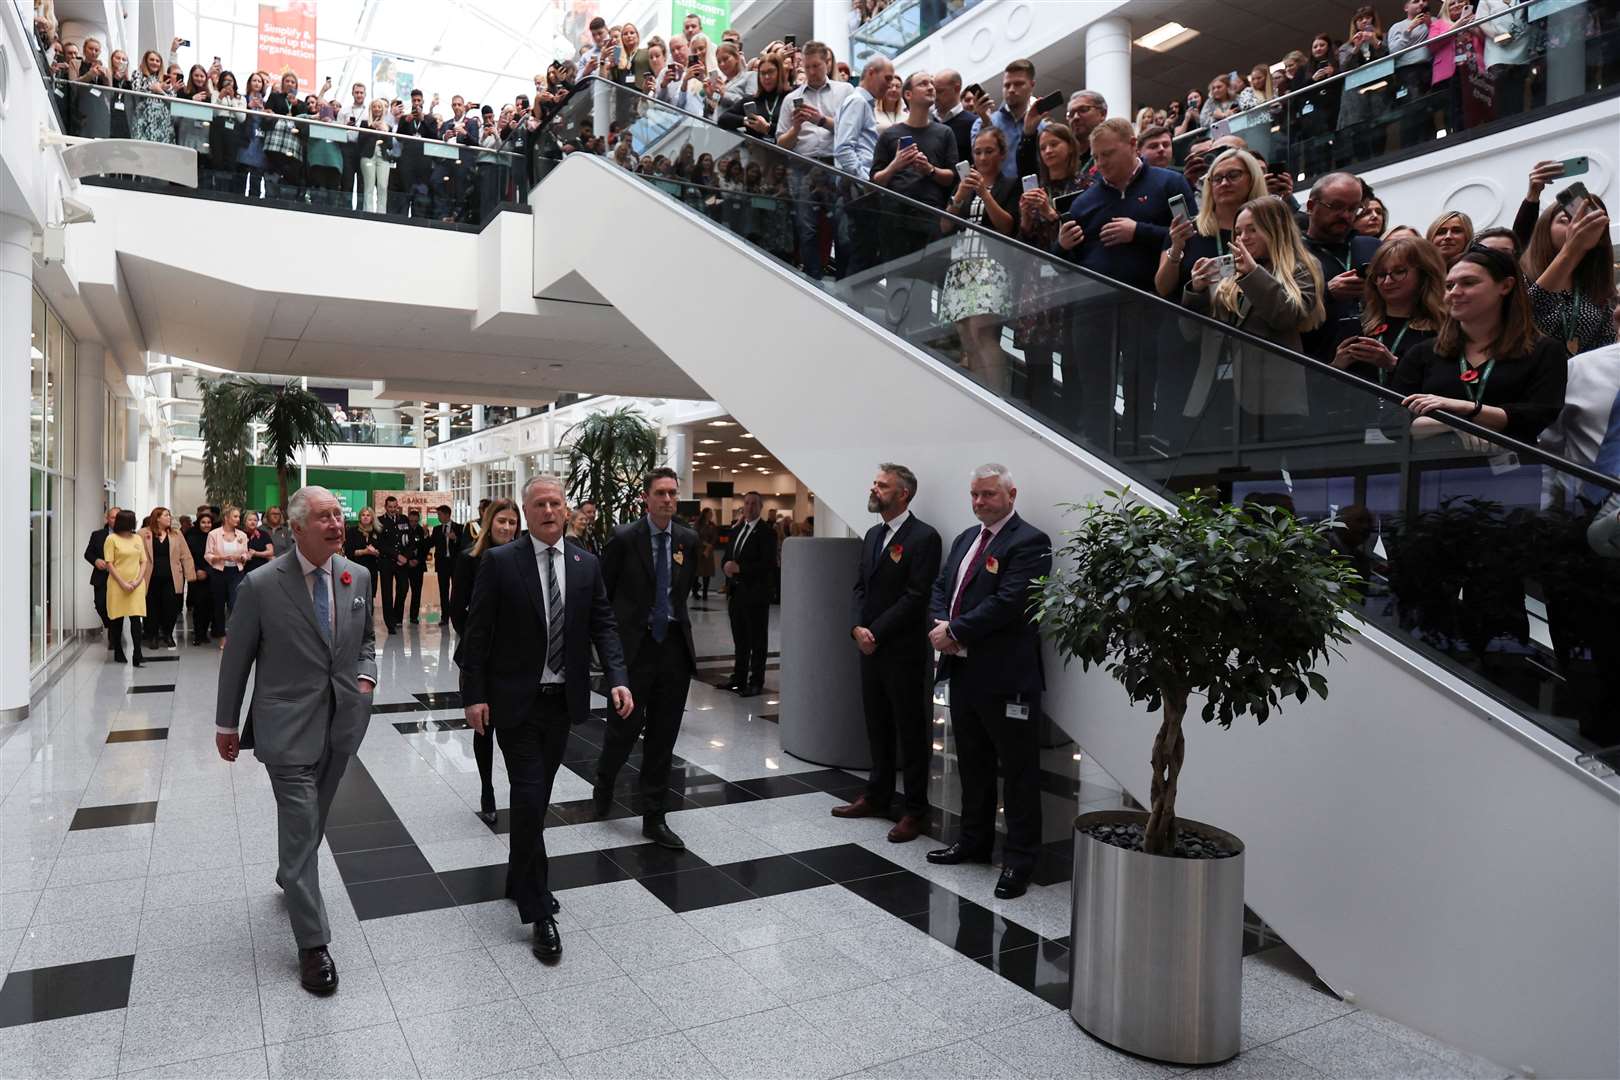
x=359 y=602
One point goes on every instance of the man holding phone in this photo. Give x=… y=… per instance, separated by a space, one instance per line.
x=1014 y=117
x=805 y=124
x=1330 y=236
x=855 y=137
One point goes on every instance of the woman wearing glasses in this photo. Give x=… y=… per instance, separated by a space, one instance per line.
x=1234 y=179
x=1404 y=308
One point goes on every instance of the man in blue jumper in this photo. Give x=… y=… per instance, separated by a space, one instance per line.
x=1117 y=228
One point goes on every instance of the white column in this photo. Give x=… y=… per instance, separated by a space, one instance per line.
x=444 y=421
x=16 y=321
x=90 y=467
x=1108 y=63
x=830 y=26
x=678 y=451
x=478 y=418
x=480 y=484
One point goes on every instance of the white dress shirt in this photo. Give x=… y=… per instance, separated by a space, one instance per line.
x=961 y=568
x=308 y=568
x=541 y=559
x=814 y=141
x=895 y=526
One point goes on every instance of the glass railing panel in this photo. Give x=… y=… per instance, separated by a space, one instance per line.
x=1488 y=74
x=366 y=433
x=1181 y=402
x=257 y=156
x=899 y=26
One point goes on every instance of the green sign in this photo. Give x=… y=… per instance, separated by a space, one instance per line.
x=716 y=16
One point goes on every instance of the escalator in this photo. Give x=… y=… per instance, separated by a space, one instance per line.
x=1485 y=675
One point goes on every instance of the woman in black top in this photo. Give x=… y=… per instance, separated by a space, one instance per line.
x=500 y=525
x=1404 y=308
x=977 y=291
x=1571 y=271
x=1488 y=364
x=360 y=545
x=260 y=550
x=757 y=115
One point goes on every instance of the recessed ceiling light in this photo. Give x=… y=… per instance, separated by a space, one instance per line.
x=1166 y=37
x=700 y=453
x=748 y=435
x=756 y=457
x=736 y=450
x=722 y=423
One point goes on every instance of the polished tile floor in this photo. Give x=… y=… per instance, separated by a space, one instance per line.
x=141 y=933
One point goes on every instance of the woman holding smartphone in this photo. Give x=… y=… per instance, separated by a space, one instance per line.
x=1039 y=325
x=1233 y=179
x=976 y=291
x=1572 y=274
x=1403 y=309
x=1268 y=285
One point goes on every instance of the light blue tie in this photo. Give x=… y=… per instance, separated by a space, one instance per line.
x=323 y=606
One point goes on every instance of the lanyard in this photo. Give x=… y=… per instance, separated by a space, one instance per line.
x=1220 y=245
x=1397 y=343
x=1474 y=379
x=1571 y=342
x=1349 y=258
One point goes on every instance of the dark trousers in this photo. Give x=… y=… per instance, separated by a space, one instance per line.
x=445 y=571
x=750 y=623
x=99 y=588
x=393 y=593
x=116 y=632
x=222 y=586
x=895 y=697
x=484 y=754
x=988 y=743
x=162 y=609
x=532 y=748
x=200 y=598
x=659 y=679
x=414 y=580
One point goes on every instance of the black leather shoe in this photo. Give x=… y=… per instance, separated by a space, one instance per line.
x=734 y=686
x=655 y=830
x=1012 y=884
x=316 y=971
x=601 y=801
x=751 y=691
x=488 y=817
x=547 y=941
x=955 y=854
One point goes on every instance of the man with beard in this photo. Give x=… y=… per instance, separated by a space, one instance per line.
x=899 y=562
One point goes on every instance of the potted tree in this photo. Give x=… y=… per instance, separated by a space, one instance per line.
x=608 y=455
x=1238 y=605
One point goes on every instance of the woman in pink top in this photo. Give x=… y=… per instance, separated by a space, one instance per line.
x=226 y=555
x=1455 y=58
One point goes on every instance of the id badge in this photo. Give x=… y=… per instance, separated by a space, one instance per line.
x=94 y=92
x=1504 y=462
x=119 y=105
x=1307 y=110
x=230 y=125
x=1016 y=711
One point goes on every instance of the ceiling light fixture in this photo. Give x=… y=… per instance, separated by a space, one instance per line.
x=708 y=442
x=1166 y=37
x=722 y=423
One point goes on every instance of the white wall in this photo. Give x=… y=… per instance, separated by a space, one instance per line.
x=1447 y=872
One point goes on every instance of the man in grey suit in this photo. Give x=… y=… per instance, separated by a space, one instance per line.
x=305 y=622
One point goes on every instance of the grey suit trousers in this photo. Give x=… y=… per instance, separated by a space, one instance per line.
x=303 y=798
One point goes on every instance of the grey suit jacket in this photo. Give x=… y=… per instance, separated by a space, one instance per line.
x=305 y=693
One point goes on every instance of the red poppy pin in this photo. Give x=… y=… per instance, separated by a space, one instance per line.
x=992 y=565
x=895 y=551
x=346 y=577
x=1471 y=375
x=1381 y=329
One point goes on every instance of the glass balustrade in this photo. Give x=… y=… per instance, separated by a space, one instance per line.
x=901 y=25
x=295 y=162
x=1491 y=73
x=1474 y=546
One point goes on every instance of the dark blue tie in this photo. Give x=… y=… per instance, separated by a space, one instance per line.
x=660 y=611
x=323 y=605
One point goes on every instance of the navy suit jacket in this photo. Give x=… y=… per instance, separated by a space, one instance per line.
x=994 y=623
x=504 y=648
x=892 y=589
x=627 y=569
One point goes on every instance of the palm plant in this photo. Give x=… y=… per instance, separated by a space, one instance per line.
x=226 y=444
x=608 y=455
x=292 y=417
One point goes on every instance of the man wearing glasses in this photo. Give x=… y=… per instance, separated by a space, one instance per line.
x=1330 y=235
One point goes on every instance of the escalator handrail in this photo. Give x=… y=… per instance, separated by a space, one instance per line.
x=1455 y=31
x=1460 y=424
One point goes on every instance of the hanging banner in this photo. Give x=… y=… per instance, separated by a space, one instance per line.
x=716 y=16
x=287 y=41
x=392 y=77
x=428 y=502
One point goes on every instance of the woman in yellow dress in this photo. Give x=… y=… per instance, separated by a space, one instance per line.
x=126 y=592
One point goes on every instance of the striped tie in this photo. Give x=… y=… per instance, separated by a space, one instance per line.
x=554 y=615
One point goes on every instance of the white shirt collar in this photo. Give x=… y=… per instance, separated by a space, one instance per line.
x=899 y=522
x=540 y=545
x=995 y=530
x=307 y=567
x=944 y=116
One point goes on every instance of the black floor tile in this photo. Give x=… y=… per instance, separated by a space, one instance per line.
x=634 y=803
x=153 y=688
x=381 y=864
x=1063 y=941
x=581 y=869
x=477 y=884
x=440 y=699
x=419 y=727
x=774 y=875
x=720 y=793
x=1042 y=969
x=645 y=860
x=150 y=659
x=399 y=896
x=368 y=837
x=905 y=893
x=691 y=890
x=835 y=781
x=846 y=862
x=771 y=717
x=144 y=734
x=579 y=811
x=503 y=823
x=399 y=707
x=53 y=993
x=1059 y=784
x=358 y=801
x=1055 y=863
x=775 y=787
x=104 y=817
x=973 y=930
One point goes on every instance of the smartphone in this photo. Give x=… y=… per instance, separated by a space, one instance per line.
x=1572 y=194
x=216 y=60
x=976 y=90
x=962 y=169
x=750 y=108
x=1575 y=166
x=905 y=141
x=1031 y=182
x=1178 y=207
x=1226 y=267
x=790 y=40
x=1277 y=168
x=184 y=44
x=1049 y=102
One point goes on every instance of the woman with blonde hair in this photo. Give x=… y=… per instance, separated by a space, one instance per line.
x=227 y=556
x=1452 y=233
x=1269 y=285
x=1144 y=119
x=500 y=524
x=1260 y=88
x=1404 y=306
x=1232 y=181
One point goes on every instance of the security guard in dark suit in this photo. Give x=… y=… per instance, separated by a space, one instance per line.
x=393 y=545
x=93 y=554
x=750 y=562
x=447 y=539
x=415 y=543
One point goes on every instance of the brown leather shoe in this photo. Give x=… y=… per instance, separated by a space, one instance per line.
x=859 y=808
x=907 y=829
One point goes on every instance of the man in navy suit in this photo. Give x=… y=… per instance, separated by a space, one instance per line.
x=749 y=565
x=647 y=566
x=538 y=605
x=990 y=650
x=899 y=562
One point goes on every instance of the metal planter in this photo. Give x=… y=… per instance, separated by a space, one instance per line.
x=1156 y=966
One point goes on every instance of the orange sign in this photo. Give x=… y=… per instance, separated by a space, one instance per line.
x=287 y=41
